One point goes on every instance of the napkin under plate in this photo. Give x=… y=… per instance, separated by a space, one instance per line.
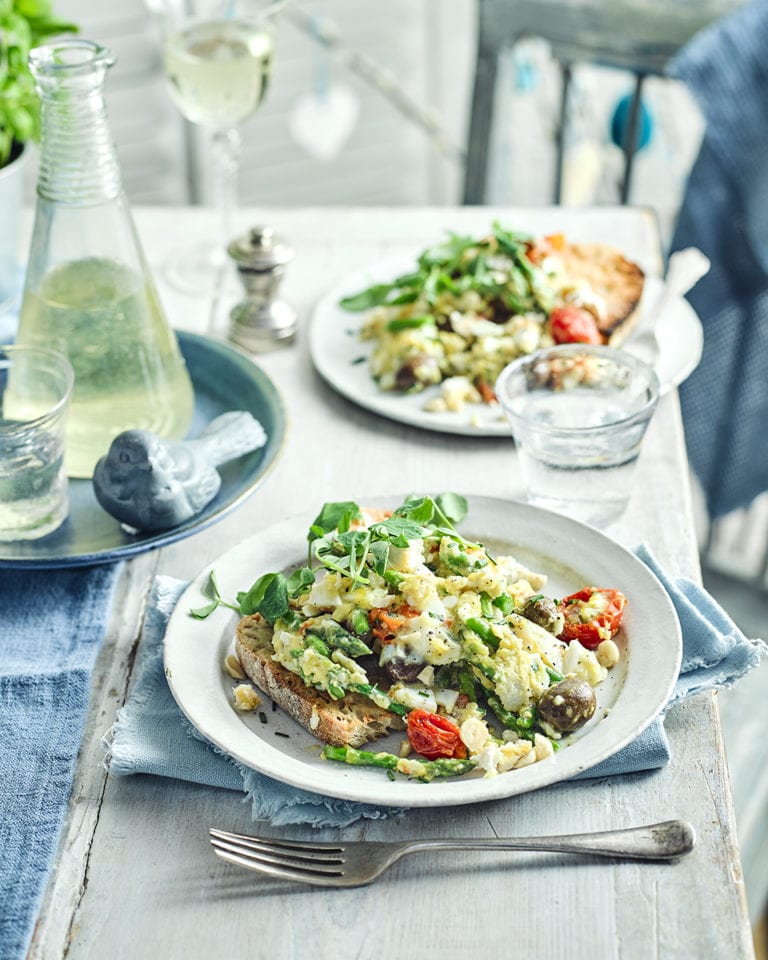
x=151 y=735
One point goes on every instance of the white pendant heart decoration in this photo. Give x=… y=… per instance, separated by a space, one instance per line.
x=322 y=122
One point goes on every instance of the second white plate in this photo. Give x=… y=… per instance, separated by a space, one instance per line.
x=341 y=357
x=571 y=554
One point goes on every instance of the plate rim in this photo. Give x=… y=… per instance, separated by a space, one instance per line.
x=164 y=538
x=254 y=752
x=385 y=404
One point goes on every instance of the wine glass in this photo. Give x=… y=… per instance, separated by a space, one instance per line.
x=217 y=56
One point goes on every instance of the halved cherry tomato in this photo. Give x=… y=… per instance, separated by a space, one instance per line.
x=385 y=622
x=592 y=615
x=571 y=324
x=537 y=250
x=434 y=736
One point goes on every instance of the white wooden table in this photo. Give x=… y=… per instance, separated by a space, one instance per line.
x=135 y=875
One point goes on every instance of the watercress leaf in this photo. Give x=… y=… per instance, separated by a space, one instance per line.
x=346 y=520
x=407 y=280
x=214 y=585
x=398 y=528
x=300 y=580
x=448 y=253
x=453 y=505
x=510 y=239
x=419 y=509
x=268 y=596
x=374 y=296
x=445 y=282
x=410 y=323
x=331 y=516
x=430 y=285
x=408 y=296
x=353 y=540
x=200 y=613
x=274 y=603
x=379 y=553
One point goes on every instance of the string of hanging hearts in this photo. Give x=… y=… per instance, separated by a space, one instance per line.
x=335 y=111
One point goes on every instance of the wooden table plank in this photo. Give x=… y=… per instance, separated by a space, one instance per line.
x=136 y=877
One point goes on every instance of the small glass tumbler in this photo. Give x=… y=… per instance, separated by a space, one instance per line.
x=578 y=414
x=35 y=388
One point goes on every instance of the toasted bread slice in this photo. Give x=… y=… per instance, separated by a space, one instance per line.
x=352 y=721
x=615 y=279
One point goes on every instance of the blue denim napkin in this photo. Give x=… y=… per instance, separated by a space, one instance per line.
x=152 y=736
x=53 y=623
x=725 y=213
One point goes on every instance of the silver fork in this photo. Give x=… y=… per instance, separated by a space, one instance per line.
x=353 y=863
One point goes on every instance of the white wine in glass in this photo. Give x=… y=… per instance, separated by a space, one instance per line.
x=218 y=61
x=219 y=71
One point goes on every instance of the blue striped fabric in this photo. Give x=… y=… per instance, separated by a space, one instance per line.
x=725 y=213
x=51 y=630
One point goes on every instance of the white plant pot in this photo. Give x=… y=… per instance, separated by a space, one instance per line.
x=11 y=197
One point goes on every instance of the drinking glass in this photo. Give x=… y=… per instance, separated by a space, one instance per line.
x=35 y=387
x=217 y=56
x=578 y=415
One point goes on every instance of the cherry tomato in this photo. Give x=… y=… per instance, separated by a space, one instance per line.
x=570 y=324
x=385 y=623
x=592 y=615
x=537 y=250
x=434 y=736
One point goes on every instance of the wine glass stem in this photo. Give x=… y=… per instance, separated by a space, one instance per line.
x=225 y=150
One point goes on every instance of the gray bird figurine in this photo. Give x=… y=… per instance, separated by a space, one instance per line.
x=149 y=483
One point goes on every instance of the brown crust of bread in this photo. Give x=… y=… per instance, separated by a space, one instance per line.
x=352 y=721
x=614 y=278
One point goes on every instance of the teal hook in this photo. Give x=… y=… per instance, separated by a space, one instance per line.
x=620 y=120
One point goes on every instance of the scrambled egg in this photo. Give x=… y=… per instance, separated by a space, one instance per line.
x=441 y=624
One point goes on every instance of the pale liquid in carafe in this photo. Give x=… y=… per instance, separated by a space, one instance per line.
x=128 y=370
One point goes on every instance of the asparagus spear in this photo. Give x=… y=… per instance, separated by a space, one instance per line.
x=380 y=698
x=421 y=769
x=477 y=653
x=336 y=636
x=521 y=723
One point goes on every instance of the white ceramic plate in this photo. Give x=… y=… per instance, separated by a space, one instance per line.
x=341 y=357
x=571 y=554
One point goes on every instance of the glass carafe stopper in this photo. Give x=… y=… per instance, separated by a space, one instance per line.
x=261 y=321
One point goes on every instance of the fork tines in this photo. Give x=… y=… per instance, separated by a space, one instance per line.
x=281 y=858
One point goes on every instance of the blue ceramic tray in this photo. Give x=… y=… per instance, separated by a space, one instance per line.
x=224 y=379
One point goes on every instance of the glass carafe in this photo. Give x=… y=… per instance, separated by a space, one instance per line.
x=88 y=290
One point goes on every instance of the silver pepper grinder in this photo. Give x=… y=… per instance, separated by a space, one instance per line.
x=261 y=322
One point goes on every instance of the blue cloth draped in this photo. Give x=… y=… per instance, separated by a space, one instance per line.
x=725 y=214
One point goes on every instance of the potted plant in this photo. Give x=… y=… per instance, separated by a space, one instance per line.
x=23 y=25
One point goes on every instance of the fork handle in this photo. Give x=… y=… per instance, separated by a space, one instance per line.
x=656 y=841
